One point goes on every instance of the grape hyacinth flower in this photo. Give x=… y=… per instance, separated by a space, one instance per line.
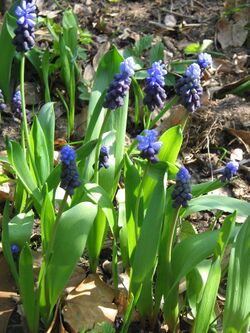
x=189 y=88
x=230 y=170
x=69 y=176
x=148 y=145
x=182 y=190
x=2 y=104
x=24 y=39
x=155 y=94
x=204 y=60
x=120 y=85
x=104 y=157
x=17 y=103
x=15 y=250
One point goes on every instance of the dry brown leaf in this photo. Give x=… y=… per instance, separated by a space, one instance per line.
x=232 y=32
x=242 y=135
x=7 y=294
x=101 y=51
x=91 y=302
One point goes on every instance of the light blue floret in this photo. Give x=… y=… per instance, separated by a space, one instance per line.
x=67 y=154
x=26 y=14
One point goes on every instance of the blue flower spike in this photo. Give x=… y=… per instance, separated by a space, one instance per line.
x=2 y=103
x=104 y=157
x=204 y=60
x=148 y=145
x=230 y=170
x=26 y=14
x=24 y=39
x=17 y=104
x=119 y=87
x=69 y=176
x=182 y=190
x=15 y=250
x=155 y=94
x=189 y=88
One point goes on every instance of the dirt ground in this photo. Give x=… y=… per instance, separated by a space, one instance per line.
x=220 y=129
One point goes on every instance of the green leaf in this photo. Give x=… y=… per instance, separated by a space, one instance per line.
x=203 y=188
x=7 y=55
x=156 y=53
x=196 y=249
x=70 y=25
x=192 y=48
x=27 y=288
x=18 y=161
x=224 y=234
x=40 y=151
x=143 y=44
x=237 y=305
x=132 y=183
x=206 y=306
x=69 y=244
x=172 y=141
x=196 y=281
x=20 y=228
x=7 y=243
x=47 y=221
x=100 y=197
x=45 y=74
x=34 y=57
x=226 y=204
x=46 y=117
x=148 y=242
x=207 y=303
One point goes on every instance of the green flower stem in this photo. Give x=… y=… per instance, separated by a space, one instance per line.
x=67 y=111
x=167 y=107
x=171 y=303
x=25 y=123
x=71 y=119
x=98 y=146
x=171 y=237
x=137 y=205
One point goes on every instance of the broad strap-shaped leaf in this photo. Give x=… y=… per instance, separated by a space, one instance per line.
x=7 y=54
x=20 y=228
x=226 y=204
x=40 y=151
x=207 y=303
x=237 y=306
x=18 y=161
x=27 y=288
x=148 y=242
x=46 y=117
x=69 y=244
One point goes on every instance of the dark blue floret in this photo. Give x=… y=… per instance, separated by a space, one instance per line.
x=15 y=250
x=24 y=39
x=204 y=60
x=189 y=88
x=155 y=94
x=69 y=176
x=120 y=85
x=230 y=170
x=182 y=190
x=2 y=104
x=148 y=145
x=17 y=104
x=104 y=157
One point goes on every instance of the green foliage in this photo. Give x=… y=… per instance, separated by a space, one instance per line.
x=131 y=200
x=237 y=308
x=6 y=56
